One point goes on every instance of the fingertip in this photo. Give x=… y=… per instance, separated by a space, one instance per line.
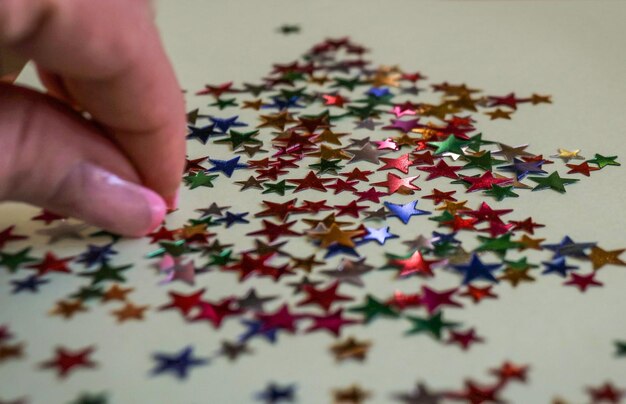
x=158 y=209
x=104 y=199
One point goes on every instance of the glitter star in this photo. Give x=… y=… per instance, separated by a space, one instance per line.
x=116 y=293
x=350 y=272
x=51 y=263
x=184 y=303
x=231 y=218
x=11 y=351
x=603 y=161
x=216 y=312
x=475 y=269
x=510 y=152
x=47 y=217
x=334 y=234
x=252 y=301
x=419 y=395
x=106 y=273
x=414 y=263
x=558 y=266
x=350 y=395
x=202 y=134
x=567 y=155
x=275 y=393
x=179 y=364
x=129 y=312
x=397 y=184
x=499 y=114
x=274 y=231
x=600 y=257
x=343 y=186
x=553 y=181
x=373 y=308
x=476 y=393
x=509 y=371
x=310 y=181
x=482 y=161
x=323 y=298
x=438 y=196
x=401 y=163
x=227 y=167
x=370 y=195
x=379 y=235
x=583 y=168
x=582 y=282
x=237 y=139
x=368 y=153
x=200 y=179
x=451 y=144
x=464 y=338
x=567 y=247
x=281 y=319
x=441 y=170
x=63 y=231
x=31 y=284
x=522 y=168
x=433 y=325
x=405 y=212
x=477 y=293
x=485 y=181
x=277 y=188
x=68 y=309
x=351 y=348
x=67 y=361
x=331 y=322
x=13 y=261
x=500 y=193
x=606 y=393
x=7 y=236
x=433 y=299
x=224 y=124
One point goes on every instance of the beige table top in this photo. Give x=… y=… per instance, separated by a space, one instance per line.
x=572 y=50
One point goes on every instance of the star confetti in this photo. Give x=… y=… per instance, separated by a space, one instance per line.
x=300 y=214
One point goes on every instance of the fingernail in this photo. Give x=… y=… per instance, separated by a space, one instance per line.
x=106 y=200
x=157 y=209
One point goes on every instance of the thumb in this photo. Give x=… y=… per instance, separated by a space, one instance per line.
x=53 y=158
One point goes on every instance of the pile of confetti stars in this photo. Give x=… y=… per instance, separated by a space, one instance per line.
x=384 y=166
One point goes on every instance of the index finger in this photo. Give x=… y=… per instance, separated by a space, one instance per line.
x=110 y=57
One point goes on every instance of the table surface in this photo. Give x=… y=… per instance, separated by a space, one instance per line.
x=572 y=50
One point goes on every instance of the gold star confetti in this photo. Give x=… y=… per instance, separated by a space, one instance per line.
x=499 y=114
x=350 y=395
x=567 y=155
x=600 y=257
x=116 y=292
x=334 y=234
x=350 y=348
x=129 y=312
x=68 y=308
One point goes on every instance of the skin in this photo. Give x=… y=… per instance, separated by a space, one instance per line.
x=120 y=168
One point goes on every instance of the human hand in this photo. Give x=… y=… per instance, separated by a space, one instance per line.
x=121 y=168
